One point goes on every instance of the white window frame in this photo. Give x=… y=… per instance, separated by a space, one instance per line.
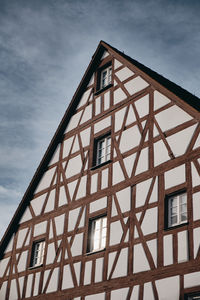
x=106 y=77
x=177 y=208
x=97 y=234
x=38 y=253
x=103 y=149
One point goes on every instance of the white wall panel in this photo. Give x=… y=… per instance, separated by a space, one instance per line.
x=117 y=64
x=100 y=296
x=135 y=85
x=98 y=204
x=36 y=285
x=130 y=117
x=122 y=264
x=182 y=246
x=71 y=187
x=3 y=290
x=51 y=253
x=128 y=163
x=3 y=265
x=130 y=138
x=74 y=166
x=97 y=105
x=152 y=244
x=160 y=100
x=67 y=278
x=106 y=122
x=82 y=188
x=55 y=156
x=143 y=162
x=160 y=153
x=135 y=293
x=84 y=98
x=22 y=264
x=21 y=237
x=119 y=294
x=119 y=118
x=73 y=216
x=105 y=54
x=124 y=73
x=21 y=284
x=104 y=179
x=87 y=115
x=77 y=245
x=40 y=228
x=29 y=285
x=142 y=190
x=149 y=223
x=59 y=221
x=148 y=291
x=196 y=236
x=26 y=216
x=67 y=146
x=91 y=80
x=62 y=196
x=99 y=270
x=53 y=283
x=75 y=145
x=140 y=262
x=117 y=173
x=94 y=182
x=46 y=180
x=173 y=288
x=172 y=117
x=106 y=100
x=168 y=249
x=115 y=233
x=37 y=204
x=88 y=271
x=51 y=201
x=192 y=279
x=142 y=106
x=175 y=176
x=119 y=96
x=73 y=123
x=180 y=141
x=13 y=290
x=195 y=176
x=85 y=137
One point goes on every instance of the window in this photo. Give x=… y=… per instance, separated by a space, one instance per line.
x=106 y=77
x=177 y=209
x=97 y=234
x=37 y=253
x=194 y=296
x=103 y=150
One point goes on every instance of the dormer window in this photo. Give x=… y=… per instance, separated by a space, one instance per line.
x=106 y=77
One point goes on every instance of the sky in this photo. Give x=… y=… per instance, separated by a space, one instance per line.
x=45 y=48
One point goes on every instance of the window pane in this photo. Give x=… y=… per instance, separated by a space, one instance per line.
x=173 y=220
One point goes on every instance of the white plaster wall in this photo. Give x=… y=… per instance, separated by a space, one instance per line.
x=196 y=236
x=77 y=267
x=122 y=264
x=74 y=121
x=119 y=294
x=55 y=156
x=119 y=117
x=29 y=285
x=115 y=233
x=77 y=245
x=197 y=143
x=143 y=162
x=124 y=73
x=160 y=153
x=97 y=105
x=142 y=190
x=22 y=264
x=192 y=279
x=88 y=271
x=84 y=98
x=87 y=115
x=51 y=201
x=74 y=166
x=135 y=293
x=182 y=246
x=173 y=288
x=67 y=278
x=46 y=180
x=195 y=176
x=140 y=262
x=59 y=221
x=99 y=270
x=119 y=96
x=142 y=106
x=152 y=244
x=175 y=176
x=13 y=290
x=26 y=216
x=107 y=100
x=105 y=54
x=21 y=284
x=3 y=290
x=75 y=145
x=85 y=137
x=106 y=122
x=117 y=173
x=40 y=228
x=131 y=116
x=53 y=283
x=51 y=253
x=160 y=100
x=37 y=204
x=180 y=141
x=91 y=80
x=172 y=117
x=168 y=249
x=62 y=196
x=73 y=216
x=98 y=204
x=104 y=179
x=82 y=188
x=124 y=200
x=36 y=285
x=3 y=265
x=67 y=146
x=21 y=237
x=94 y=182
x=135 y=85
x=148 y=291
x=149 y=224
x=129 y=162
x=100 y=296
x=130 y=138
x=71 y=187
x=117 y=64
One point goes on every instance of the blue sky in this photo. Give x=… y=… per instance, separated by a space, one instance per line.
x=45 y=47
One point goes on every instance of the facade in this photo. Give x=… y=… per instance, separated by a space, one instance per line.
x=113 y=210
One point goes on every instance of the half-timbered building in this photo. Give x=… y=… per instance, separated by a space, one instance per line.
x=113 y=210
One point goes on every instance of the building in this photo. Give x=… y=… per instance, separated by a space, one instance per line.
x=113 y=211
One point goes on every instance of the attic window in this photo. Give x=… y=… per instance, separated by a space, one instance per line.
x=106 y=77
x=102 y=150
x=37 y=254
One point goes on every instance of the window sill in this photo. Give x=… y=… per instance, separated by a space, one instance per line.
x=103 y=89
x=35 y=267
x=176 y=226
x=101 y=165
x=95 y=251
